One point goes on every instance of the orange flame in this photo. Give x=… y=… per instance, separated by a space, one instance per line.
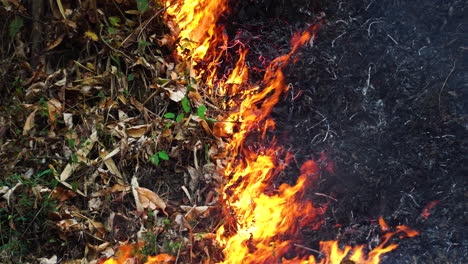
x=263 y=223
x=196 y=20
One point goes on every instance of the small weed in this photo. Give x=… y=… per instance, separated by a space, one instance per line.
x=186 y=104
x=150 y=247
x=29 y=215
x=15 y=26
x=172 y=247
x=161 y=155
x=43 y=107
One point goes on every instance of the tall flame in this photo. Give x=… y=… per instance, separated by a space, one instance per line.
x=263 y=223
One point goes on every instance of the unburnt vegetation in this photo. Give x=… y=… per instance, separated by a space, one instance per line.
x=105 y=137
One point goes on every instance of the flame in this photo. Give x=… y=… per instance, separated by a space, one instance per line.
x=263 y=223
x=129 y=254
x=197 y=22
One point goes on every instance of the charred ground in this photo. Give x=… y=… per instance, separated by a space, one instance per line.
x=383 y=91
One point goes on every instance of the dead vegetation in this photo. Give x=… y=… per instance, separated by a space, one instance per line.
x=105 y=137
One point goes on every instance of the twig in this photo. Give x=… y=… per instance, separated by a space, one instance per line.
x=110 y=47
x=309 y=249
x=333 y=42
x=394 y=41
x=369 y=27
x=321 y=194
x=365 y=89
x=445 y=82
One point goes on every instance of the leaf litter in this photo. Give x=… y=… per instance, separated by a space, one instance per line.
x=81 y=120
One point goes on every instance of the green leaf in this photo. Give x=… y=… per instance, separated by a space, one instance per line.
x=180 y=117
x=155 y=159
x=169 y=115
x=186 y=104
x=15 y=26
x=115 y=21
x=111 y=30
x=143 y=44
x=201 y=111
x=40 y=174
x=163 y=155
x=71 y=142
x=142 y=5
x=116 y=59
x=74 y=186
x=131 y=77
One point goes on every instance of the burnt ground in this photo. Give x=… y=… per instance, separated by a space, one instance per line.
x=384 y=92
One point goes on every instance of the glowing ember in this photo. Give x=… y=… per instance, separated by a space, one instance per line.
x=427 y=209
x=263 y=223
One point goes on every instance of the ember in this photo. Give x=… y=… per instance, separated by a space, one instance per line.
x=427 y=209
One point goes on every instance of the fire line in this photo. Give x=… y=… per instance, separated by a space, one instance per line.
x=263 y=225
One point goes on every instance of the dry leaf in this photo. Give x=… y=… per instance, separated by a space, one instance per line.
x=194 y=178
x=111 y=190
x=94 y=204
x=61 y=194
x=134 y=183
x=54 y=108
x=110 y=164
x=56 y=42
x=167 y=39
x=60 y=6
x=201 y=236
x=138 y=131
x=180 y=222
x=99 y=248
x=52 y=260
x=29 y=124
x=196 y=99
x=206 y=127
x=68 y=119
x=9 y=192
x=197 y=211
x=149 y=199
x=176 y=94
x=137 y=104
x=91 y=35
x=98 y=226
x=81 y=155
x=68 y=225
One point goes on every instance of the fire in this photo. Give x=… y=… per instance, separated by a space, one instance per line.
x=196 y=20
x=263 y=223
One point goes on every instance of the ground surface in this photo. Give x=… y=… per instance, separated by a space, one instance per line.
x=383 y=91
x=384 y=94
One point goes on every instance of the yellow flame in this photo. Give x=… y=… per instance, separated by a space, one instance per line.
x=261 y=221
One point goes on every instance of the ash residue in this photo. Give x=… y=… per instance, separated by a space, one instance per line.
x=384 y=91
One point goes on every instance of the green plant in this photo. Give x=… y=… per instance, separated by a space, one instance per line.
x=177 y=118
x=142 y=5
x=201 y=113
x=15 y=26
x=158 y=156
x=18 y=87
x=150 y=247
x=28 y=215
x=43 y=107
x=186 y=104
x=172 y=247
